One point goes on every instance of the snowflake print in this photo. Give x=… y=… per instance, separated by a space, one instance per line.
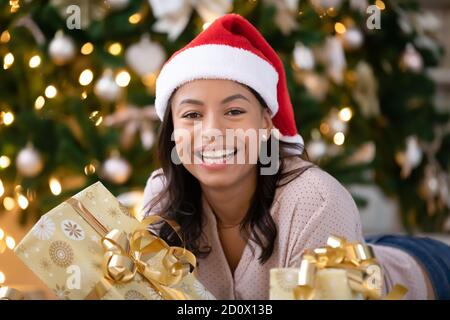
x=113 y=213
x=61 y=292
x=44 y=228
x=134 y=295
x=90 y=195
x=201 y=291
x=72 y=230
x=286 y=278
x=61 y=253
x=45 y=264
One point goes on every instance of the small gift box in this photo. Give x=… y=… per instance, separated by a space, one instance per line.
x=339 y=271
x=91 y=247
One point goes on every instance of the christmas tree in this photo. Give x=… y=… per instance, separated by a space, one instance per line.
x=78 y=83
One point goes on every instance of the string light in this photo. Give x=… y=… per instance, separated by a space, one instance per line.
x=87 y=48
x=9 y=203
x=22 y=201
x=14 y=5
x=34 y=62
x=2 y=190
x=123 y=78
x=115 y=49
x=89 y=169
x=340 y=28
x=345 y=114
x=4 y=163
x=50 y=92
x=8 y=60
x=96 y=117
x=86 y=77
x=338 y=138
x=39 y=103
x=10 y=242
x=5 y=36
x=55 y=186
x=7 y=118
x=135 y=18
x=2 y=278
x=2 y=234
x=331 y=12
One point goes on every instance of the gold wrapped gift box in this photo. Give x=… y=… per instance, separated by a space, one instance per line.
x=339 y=271
x=90 y=247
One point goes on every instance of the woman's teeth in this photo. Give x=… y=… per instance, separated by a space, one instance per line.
x=217 y=156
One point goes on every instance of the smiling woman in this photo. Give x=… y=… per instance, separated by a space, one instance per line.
x=239 y=221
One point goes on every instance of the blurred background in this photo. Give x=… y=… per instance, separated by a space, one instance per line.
x=369 y=81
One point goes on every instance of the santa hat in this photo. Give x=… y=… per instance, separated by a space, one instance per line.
x=232 y=48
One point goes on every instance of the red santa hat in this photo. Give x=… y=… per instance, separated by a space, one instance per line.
x=232 y=48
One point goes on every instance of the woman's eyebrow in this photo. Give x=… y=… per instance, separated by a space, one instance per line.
x=234 y=97
x=226 y=100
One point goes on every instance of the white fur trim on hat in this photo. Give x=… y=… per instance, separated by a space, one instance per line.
x=293 y=139
x=215 y=61
x=298 y=140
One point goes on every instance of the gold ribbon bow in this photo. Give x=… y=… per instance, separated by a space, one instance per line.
x=125 y=256
x=364 y=274
x=8 y=293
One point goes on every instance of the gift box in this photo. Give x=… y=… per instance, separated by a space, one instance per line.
x=330 y=284
x=338 y=271
x=91 y=247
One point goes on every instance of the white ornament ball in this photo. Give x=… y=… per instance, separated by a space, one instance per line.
x=411 y=59
x=106 y=88
x=316 y=149
x=353 y=38
x=116 y=169
x=413 y=152
x=145 y=57
x=61 y=49
x=117 y=4
x=29 y=162
x=303 y=57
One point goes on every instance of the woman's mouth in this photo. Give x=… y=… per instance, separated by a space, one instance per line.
x=216 y=156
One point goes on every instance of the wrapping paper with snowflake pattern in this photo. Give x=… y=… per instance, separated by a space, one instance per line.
x=64 y=250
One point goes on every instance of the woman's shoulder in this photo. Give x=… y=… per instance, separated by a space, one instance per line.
x=314 y=186
x=312 y=177
x=315 y=205
x=154 y=185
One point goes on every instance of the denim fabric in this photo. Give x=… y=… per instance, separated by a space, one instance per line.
x=434 y=256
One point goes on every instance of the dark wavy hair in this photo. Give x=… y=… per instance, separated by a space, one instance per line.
x=182 y=196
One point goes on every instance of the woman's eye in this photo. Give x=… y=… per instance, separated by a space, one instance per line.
x=235 y=112
x=191 y=115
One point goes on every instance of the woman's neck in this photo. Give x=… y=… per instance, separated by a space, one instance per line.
x=230 y=204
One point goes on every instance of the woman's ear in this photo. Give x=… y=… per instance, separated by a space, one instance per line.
x=267 y=120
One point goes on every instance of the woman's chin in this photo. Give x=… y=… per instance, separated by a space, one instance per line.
x=216 y=175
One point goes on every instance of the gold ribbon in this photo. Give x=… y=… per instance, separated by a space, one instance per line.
x=8 y=293
x=125 y=256
x=364 y=274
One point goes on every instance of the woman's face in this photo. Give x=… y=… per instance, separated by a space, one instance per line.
x=218 y=125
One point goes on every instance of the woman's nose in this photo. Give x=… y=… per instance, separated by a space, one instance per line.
x=212 y=125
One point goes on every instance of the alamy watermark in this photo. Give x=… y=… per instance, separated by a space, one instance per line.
x=75 y=14
x=236 y=146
